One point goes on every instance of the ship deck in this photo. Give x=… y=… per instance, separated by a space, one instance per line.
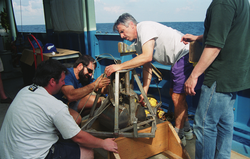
x=13 y=82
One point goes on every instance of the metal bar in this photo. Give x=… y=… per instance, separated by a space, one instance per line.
x=132 y=109
x=127 y=83
x=143 y=93
x=138 y=124
x=90 y=121
x=116 y=122
x=135 y=127
x=125 y=134
x=95 y=103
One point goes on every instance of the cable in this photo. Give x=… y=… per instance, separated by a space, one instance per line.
x=96 y=82
x=95 y=116
x=155 y=83
x=90 y=94
x=115 y=61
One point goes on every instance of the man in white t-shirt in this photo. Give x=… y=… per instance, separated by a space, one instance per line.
x=37 y=125
x=154 y=41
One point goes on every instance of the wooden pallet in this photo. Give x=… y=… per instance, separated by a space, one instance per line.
x=166 y=141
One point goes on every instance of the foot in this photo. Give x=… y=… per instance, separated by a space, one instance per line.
x=189 y=134
x=183 y=140
x=7 y=100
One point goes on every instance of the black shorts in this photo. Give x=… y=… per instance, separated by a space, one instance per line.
x=64 y=149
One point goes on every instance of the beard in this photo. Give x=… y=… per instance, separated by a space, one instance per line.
x=84 y=79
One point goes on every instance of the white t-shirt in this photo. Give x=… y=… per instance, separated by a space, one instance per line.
x=32 y=123
x=168 y=46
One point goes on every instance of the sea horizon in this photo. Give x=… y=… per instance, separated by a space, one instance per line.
x=195 y=28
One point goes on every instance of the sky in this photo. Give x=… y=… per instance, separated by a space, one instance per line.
x=30 y=12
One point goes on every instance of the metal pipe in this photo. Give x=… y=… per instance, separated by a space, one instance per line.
x=121 y=134
x=138 y=124
x=116 y=124
x=127 y=83
x=11 y=20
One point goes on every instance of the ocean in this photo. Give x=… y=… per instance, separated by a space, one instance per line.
x=195 y=28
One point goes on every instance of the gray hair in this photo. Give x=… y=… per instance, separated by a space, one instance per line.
x=124 y=19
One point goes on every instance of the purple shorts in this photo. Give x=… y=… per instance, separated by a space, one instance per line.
x=180 y=73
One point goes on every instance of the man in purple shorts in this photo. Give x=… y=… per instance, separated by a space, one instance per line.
x=37 y=125
x=154 y=41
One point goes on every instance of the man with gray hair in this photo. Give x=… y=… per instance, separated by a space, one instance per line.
x=154 y=41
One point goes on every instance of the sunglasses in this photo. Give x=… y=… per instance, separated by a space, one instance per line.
x=89 y=70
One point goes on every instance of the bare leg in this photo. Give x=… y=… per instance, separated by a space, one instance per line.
x=87 y=102
x=2 y=93
x=76 y=116
x=181 y=107
x=86 y=153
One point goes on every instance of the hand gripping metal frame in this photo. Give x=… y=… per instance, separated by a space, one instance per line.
x=113 y=98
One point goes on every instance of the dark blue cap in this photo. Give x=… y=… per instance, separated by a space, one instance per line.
x=49 y=48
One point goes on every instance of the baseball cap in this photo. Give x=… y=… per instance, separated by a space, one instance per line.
x=49 y=48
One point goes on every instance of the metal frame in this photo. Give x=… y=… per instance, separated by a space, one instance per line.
x=113 y=98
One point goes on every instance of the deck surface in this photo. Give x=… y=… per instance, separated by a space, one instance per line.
x=13 y=82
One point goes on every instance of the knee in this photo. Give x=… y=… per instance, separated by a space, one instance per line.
x=178 y=98
x=87 y=153
x=99 y=102
x=77 y=117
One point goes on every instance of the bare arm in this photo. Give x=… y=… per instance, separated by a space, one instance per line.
x=147 y=76
x=85 y=139
x=103 y=84
x=208 y=56
x=189 y=38
x=73 y=94
x=145 y=57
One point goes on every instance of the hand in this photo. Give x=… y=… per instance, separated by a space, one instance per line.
x=190 y=85
x=110 y=145
x=111 y=68
x=102 y=81
x=188 y=38
x=141 y=100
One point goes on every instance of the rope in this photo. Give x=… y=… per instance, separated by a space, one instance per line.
x=96 y=83
x=115 y=61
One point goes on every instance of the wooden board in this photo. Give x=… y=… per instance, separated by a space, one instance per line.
x=165 y=141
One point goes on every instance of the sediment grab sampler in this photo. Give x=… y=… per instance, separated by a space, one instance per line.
x=120 y=113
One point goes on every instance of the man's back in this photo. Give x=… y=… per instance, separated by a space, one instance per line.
x=227 y=26
x=168 y=46
x=30 y=125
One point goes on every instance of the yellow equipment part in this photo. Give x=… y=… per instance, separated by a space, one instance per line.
x=160 y=113
x=146 y=112
x=153 y=102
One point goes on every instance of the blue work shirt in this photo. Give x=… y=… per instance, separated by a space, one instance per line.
x=70 y=79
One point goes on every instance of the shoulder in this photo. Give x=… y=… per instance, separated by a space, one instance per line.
x=223 y=3
x=38 y=98
x=146 y=24
x=71 y=72
x=70 y=78
x=146 y=27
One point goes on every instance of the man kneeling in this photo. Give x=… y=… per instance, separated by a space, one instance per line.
x=35 y=119
x=78 y=90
